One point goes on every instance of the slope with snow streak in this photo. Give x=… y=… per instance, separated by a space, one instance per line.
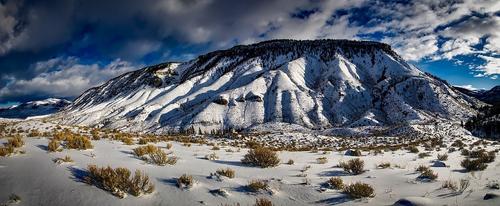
x=314 y=84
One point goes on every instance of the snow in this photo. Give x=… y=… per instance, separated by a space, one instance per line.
x=39 y=181
x=313 y=84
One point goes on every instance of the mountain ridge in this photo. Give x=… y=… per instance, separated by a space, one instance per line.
x=310 y=83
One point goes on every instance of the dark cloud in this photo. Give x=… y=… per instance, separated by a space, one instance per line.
x=144 y=32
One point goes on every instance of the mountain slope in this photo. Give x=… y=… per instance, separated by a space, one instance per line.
x=34 y=108
x=491 y=96
x=313 y=84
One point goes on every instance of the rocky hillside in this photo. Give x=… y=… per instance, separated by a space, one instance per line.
x=314 y=84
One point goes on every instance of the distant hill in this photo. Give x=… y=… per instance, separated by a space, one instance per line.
x=491 y=96
x=34 y=108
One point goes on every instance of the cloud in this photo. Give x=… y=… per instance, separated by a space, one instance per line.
x=468 y=86
x=63 y=77
x=492 y=66
x=33 y=32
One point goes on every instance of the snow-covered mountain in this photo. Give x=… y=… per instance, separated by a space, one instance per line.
x=314 y=84
x=491 y=96
x=34 y=108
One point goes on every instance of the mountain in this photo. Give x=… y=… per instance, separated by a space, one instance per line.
x=486 y=123
x=312 y=84
x=34 y=108
x=491 y=96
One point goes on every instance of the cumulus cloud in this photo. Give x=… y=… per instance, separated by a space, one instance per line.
x=63 y=77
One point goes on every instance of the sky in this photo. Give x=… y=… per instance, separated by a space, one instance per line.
x=60 y=48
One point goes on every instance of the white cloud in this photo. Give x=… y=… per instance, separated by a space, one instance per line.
x=64 y=77
x=468 y=86
x=492 y=66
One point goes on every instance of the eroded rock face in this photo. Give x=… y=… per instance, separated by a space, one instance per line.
x=312 y=84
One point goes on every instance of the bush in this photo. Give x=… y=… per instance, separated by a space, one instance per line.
x=228 y=172
x=322 y=160
x=473 y=165
x=118 y=181
x=15 y=142
x=428 y=174
x=257 y=185
x=140 y=184
x=449 y=184
x=161 y=158
x=413 y=149
x=290 y=162
x=335 y=183
x=359 y=190
x=262 y=157
x=487 y=157
x=127 y=141
x=7 y=150
x=442 y=157
x=169 y=145
x=78 y=142
x=422 y=168
x=211 y=156
x=145 y=150
x=263 y=202
x=353 y=166
x=53 y=145
x=185 y=181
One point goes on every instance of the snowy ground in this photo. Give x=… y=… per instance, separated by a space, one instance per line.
x=35 y=178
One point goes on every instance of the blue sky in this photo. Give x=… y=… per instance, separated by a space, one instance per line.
x=60 y=48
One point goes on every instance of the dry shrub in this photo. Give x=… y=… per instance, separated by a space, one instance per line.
x=127 y=141
x=78 y=142
x=464 y=184
x=442 y=157
x=353 y=166
x=335 y=183
x=422 y=168
x=53 y=145
x=159 y=157
x=140 y=184
x=263 y=202
x=228 y=172
x=257 y=185
x=5 y=151
x=449 y=184
x=144 y=150
x=211 y=156
x=215 y=148
x=118 y=181
x=473 y=165
x=413 y=149
x=15 y=142
x=185 y=181
x=169 y=145
x=428 y=175
x=359 y=190
x=262 y=157
x=322 y=160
